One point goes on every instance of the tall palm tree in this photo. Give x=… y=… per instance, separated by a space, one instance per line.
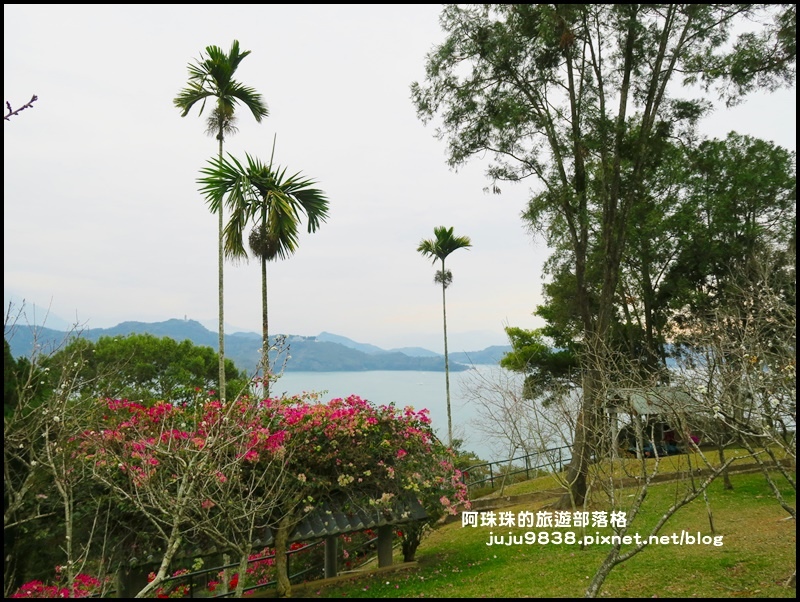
x=273 y=201
x=438 y=248
x=212 y=77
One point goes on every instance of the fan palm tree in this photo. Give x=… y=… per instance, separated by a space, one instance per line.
x=273 y=201
x=212 y=77
x=438 y=248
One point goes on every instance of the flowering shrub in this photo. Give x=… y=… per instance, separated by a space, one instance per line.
x=350 y=448
x=200 y=471
x=173 y=589
x=354 y=454
x=83 y=587
x=261 y=568
x=135 y=440
x=137 y=448
x=194 y=462
x=346 y=448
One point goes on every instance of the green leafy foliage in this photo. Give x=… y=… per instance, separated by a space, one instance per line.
x=144 y=367
x=542 y=364
x=586 y=101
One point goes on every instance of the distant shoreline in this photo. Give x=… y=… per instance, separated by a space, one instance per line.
x=323 y=353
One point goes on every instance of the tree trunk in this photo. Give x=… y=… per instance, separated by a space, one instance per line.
x=609 y=562
x=264 y=326
x=172 y=548
x=284 y=586
x=577 y=469
x=243 y=559
x=446 y=361
x=726 y=477
x=412 y=535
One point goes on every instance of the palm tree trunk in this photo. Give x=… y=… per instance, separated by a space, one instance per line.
x=221 y=259
x=446 y=362
x=264 y=327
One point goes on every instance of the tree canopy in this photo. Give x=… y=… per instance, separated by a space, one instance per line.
x=145 y=368
x=582 y=101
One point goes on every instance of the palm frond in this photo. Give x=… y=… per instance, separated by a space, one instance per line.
x=212 y=75
x=443 y=244
x=274 y=202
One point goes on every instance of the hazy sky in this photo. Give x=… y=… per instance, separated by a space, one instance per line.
x=103 y=221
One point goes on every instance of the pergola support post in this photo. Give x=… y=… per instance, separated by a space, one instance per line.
x=385 y=545
x=331 y=556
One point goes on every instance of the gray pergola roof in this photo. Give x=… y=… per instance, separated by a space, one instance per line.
x=329 y=519
x=663 y=401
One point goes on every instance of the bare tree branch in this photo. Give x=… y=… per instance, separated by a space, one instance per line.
x=12 y=112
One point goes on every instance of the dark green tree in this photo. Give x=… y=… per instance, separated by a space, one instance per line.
x=438 y=249
x=547 y=369
x=761 y=59
x=707 y=210
x=146 y=368
x=213 y=77
x=578 y=98
x=738 y=204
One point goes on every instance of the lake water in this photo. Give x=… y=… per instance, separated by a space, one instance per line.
x=422 y=390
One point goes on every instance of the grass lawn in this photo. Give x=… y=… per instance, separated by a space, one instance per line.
x=756 y=557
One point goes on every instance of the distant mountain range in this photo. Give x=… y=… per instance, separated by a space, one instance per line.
x=325 y=352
